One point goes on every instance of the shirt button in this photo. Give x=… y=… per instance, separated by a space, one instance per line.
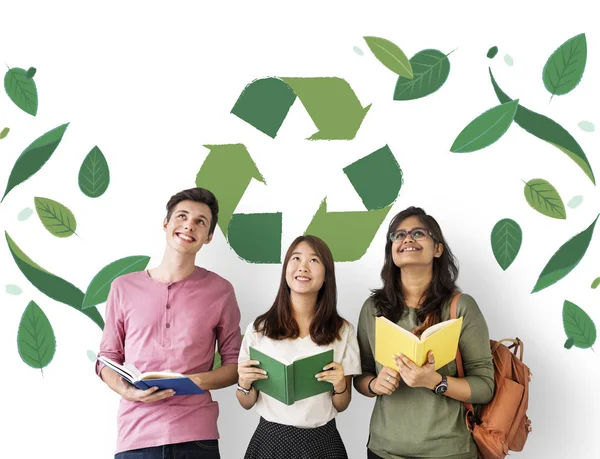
x=168 y=287
x=168 y=306
x=168 y=325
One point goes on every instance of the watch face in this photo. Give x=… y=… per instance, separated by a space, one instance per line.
x=441 y=389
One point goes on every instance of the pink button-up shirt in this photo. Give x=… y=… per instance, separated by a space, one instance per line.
x=157 y=326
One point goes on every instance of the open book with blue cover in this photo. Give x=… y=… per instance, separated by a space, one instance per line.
x=181 y=384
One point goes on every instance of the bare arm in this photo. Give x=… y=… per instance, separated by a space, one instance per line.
x=224 y=376
x=248 y=373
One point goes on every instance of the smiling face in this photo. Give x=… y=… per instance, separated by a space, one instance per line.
x=305 y=272
x=411 y=252
x=187 y=229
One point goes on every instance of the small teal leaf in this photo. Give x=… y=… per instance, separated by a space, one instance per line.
x=358 y=51
x=25 y=214
x=13 y=289
x=575 y=201
x=492 y=52
x=31 y=72
x=509 y=60
x=587 y=126
x=92 y=356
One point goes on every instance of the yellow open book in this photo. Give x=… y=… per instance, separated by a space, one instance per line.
x=391 y=339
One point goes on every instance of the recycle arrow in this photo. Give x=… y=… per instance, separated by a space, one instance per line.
x=256 y=238
x=330 y=102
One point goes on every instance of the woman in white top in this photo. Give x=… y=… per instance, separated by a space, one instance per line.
x=302 y=321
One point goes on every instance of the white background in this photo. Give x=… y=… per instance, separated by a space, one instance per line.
x=151 y=82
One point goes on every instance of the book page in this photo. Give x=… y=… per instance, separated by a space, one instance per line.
x=160 y=375
x=434 y=328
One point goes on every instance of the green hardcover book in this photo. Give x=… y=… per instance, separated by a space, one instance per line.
x=290 y=382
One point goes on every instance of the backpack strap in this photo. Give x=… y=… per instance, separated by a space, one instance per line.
x=469 y=416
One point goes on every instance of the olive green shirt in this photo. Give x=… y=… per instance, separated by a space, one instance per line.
x=415 y=422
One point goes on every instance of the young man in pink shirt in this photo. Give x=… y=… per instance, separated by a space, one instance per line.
x=170 y=317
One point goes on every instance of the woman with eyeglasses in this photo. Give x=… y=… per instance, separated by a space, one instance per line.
x=419 y=411
x=302 y=321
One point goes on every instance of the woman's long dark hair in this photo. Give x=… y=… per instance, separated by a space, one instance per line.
x=389 y=300
x=278 y=322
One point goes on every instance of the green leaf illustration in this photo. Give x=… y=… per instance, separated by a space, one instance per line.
x=565 y=67
x=52 y=286
x=509 y=60
x=35 y=339
x=546 y=129
x=97 y=291
x=358 y=51
x=565 y=259
x=91 y=355
x=21 y=90
x=13 y=289
x=575 y=201
x=4 y=133
x=544 y=198
x=586 y=126
x=430 y=71
x=34 y=157
x=94 y=175
x=56 y=218
x=492 y=52
x=596 y=282
x=579 y=327
x=506 y=241
x=486 y=129
x=390 y=55
x=25 y=214
x=31 y=71
x=217 y=361
x=569 y=343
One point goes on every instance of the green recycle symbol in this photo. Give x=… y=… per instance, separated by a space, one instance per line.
x=337 y=113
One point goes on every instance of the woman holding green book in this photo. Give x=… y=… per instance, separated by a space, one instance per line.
x=419 y=411
x=300 y=395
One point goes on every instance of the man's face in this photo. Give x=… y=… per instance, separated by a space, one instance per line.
x=187 y=230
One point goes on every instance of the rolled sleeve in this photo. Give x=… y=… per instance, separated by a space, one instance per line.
x=112 y=344
x=229 y=337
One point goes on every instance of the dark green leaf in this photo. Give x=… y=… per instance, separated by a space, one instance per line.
x=486 y=129
x=506 y=242
x=53 y=286
x=565 y=259
x=35 y=340
x=544 y=198
x=549 y=130
x=21 y=90
x=430 y=70
x=34 y=157
x=31 y=72
x=492 y=52
x=55 y=217
x=565 y=67
x=97 y=291
x=94 y=175
x=569 y=343
x=390 y=55
x=578 y=326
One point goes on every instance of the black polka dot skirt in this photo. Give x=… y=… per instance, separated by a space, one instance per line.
x=279 y=441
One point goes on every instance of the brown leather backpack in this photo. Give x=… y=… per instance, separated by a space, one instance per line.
x=502 y=424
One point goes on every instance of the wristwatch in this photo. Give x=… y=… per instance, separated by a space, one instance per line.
x=441 y=387
x=244 y=391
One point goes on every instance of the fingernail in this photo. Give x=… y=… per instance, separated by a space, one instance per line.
x=318 y=379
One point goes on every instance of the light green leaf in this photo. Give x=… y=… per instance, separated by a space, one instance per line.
x=565 y=67
x=25 y=214
x=578 y=326
x=596 y=282
x=506 y=242
x=35 y=339
x=34 y=157
x=21 y=90
x=575 y=201
x=13 y=289
x=55 y=217
x=544 y=198
x=586 y=126
x=509 y=60
x=486 y=129
x=430 y=71
x=4 y=133
x=94 y=175
x=97 y=291
x=391 y=56
x=91 y=355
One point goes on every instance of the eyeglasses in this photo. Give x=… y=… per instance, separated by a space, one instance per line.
x=415 y=233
